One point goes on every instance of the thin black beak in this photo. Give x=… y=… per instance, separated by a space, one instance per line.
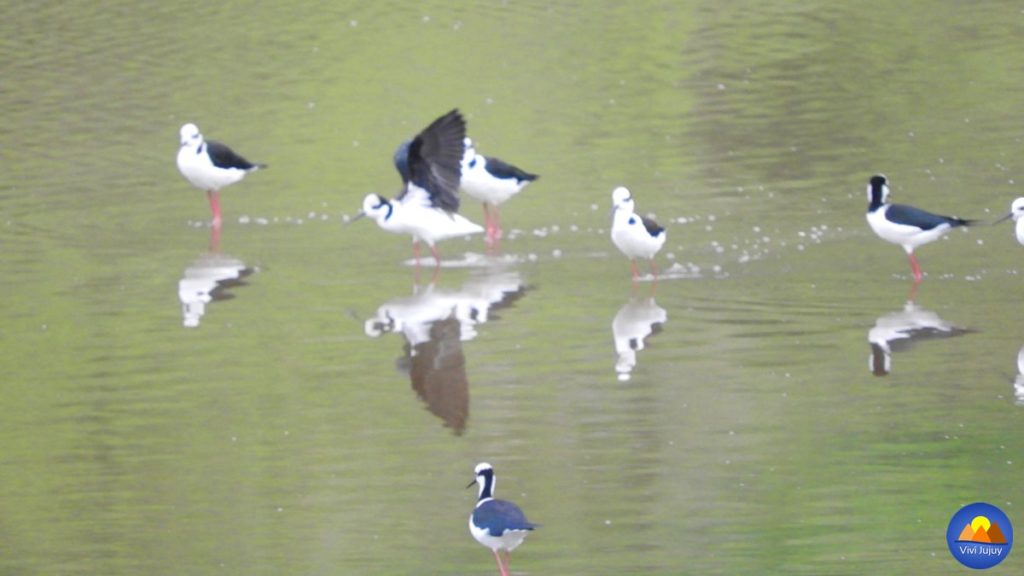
x=359 y=215
x=470 y=485
x=1007 y=217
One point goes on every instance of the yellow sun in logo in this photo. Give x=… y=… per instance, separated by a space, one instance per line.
x=980 y=521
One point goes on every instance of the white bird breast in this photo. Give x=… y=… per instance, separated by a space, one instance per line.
x=909 y=237
x=479 y=184
x=201 y=173
x=633 y=239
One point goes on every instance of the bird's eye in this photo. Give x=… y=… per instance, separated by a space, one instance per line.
x=632 y=220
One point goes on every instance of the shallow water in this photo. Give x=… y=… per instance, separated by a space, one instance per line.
x=287 y=398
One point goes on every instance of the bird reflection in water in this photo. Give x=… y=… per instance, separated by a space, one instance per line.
x=638 y=319
x=434 y=323
x=437 y=371
x=896 y=331
x=208 y=278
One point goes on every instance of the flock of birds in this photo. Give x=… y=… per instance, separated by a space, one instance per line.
x=435 y=166
x=440 y=161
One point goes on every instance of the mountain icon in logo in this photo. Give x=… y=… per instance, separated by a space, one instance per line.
x=979 y=535
x=982 y=530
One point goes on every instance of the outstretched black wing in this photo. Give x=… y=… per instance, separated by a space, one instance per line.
x=435 y=160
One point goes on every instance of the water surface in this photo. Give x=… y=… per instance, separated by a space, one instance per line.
x=286 y=397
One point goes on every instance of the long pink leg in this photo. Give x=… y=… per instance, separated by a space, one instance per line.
x=489 y=223
x=654 y=269
x=914 y=266
x=501 y=565
x=437 y=264
x=633 y=269
x=496 y=221
x=214 y=197
x=215 y=238
x=416 y=251
x=913 y=292
x=508 y=561
x=495 y=231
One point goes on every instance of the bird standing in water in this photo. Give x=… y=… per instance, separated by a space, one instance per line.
x=427 y=206
x=907 y=226
x=492 y=182
x=636 y=236
x=497 y=524
x=210 y=166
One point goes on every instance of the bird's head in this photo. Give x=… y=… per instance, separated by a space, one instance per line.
x=190 y=135
x=621 y=200
x=621 y=197
x=878 y=190
x=469 y=154
x=375 y=206
x=484 y=477
x=1016 y=211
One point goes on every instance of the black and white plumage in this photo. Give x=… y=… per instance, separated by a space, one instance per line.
x=426 y=207
x=430 y=163
x=210 y=165
x=636 y=236
x=497 y=524
x=492 y=181
x=907 y=226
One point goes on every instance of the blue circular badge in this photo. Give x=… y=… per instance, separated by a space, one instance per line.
x=979 y=535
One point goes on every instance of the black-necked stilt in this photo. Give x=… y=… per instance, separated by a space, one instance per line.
x=1017 y=213
x=430 y=168
x=492 y=182
x=210 y=165
x=636 y=236
x=905 y=225
x=497 y=524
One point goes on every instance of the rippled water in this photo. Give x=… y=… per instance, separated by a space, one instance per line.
x=285 y=397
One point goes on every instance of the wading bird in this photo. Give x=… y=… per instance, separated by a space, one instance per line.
x=427 y=206
x=210 y=166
